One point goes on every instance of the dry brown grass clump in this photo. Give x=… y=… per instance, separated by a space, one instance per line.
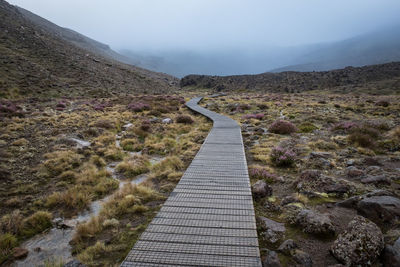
x=134 y=166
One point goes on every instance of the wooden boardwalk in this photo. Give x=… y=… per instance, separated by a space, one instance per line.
x=208 y=220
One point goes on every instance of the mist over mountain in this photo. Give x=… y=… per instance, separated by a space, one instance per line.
x=377 y=47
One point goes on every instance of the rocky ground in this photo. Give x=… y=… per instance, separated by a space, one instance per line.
x=325 y=174
x=60 y=155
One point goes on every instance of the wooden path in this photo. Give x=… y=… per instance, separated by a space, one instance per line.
x=208 y=220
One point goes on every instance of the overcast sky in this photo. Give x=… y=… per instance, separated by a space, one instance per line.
x=205 y=24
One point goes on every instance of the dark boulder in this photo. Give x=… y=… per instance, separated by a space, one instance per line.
x=288 y=247
x=316 y=223
x=261 y=189
x=272 y=231
x=302 y=258
x=271 y=259
x=380 y=209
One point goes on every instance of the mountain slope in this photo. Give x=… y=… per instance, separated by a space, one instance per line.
x=377 y=47
x=37 y=62
x=370 y=79
x=74 y=37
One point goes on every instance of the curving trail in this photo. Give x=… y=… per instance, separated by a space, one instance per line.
x=208 y=220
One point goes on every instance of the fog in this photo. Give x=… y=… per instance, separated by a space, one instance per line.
x=153 y=31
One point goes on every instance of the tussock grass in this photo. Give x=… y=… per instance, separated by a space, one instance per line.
x=134 y=166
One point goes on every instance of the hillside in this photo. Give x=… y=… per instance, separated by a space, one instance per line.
x=377 y=47
x=384 y=78
x=74 y=37
x=36 y=61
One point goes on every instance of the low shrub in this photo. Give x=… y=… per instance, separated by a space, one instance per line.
x=145 y=126
x=263 y=174
x=105 y=124
x=75 y=198
x=114 y=154
x=163 y=109
x=381 y=125
x=7 y=243
x=138 y=107
x=133 y=166
x=361 y=139
x=61 y=106
x=186 y=119
x=282 y=127
x=131 y=145
x=382 y=103
x=344 y=126
x=8 y=108
x=59 y=161
x=242 y=107
x=282 y=157
x=258 y=116
x=363 y=136
x=262 y=106
x=36 y=223
x=307 y=127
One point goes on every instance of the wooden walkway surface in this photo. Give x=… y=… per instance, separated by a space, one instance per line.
x=208 y=220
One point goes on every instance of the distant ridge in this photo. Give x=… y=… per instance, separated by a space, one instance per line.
x=376 y=79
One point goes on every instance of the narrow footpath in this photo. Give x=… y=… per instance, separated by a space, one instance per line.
x=208 y=220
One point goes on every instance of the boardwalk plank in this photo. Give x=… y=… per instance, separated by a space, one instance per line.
x=208 y=220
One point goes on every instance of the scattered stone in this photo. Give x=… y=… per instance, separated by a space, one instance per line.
x=391 y=236
x=373 y=170
x=360 y=244
x=311 y=181
x=271 y=259
x=20 y=253
x=315 y=223
x=350 y=162
x=397 y=244
x=61 y=224
x=74 y=263
x=391 y=256
x=353 y=172
x=353 y=201
x=154 y=120
x=288 y=247
x=273 y=231
x=261 y=189
x=271 y=206
x=127 y=126
x=167 y=121
x=372 y=162
x=302 y=258
x=380 y=179
x=337 y=188
x=325 y=155
x=380 y=209
x=320 y=160
x=258 y=130
x=289 y=199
